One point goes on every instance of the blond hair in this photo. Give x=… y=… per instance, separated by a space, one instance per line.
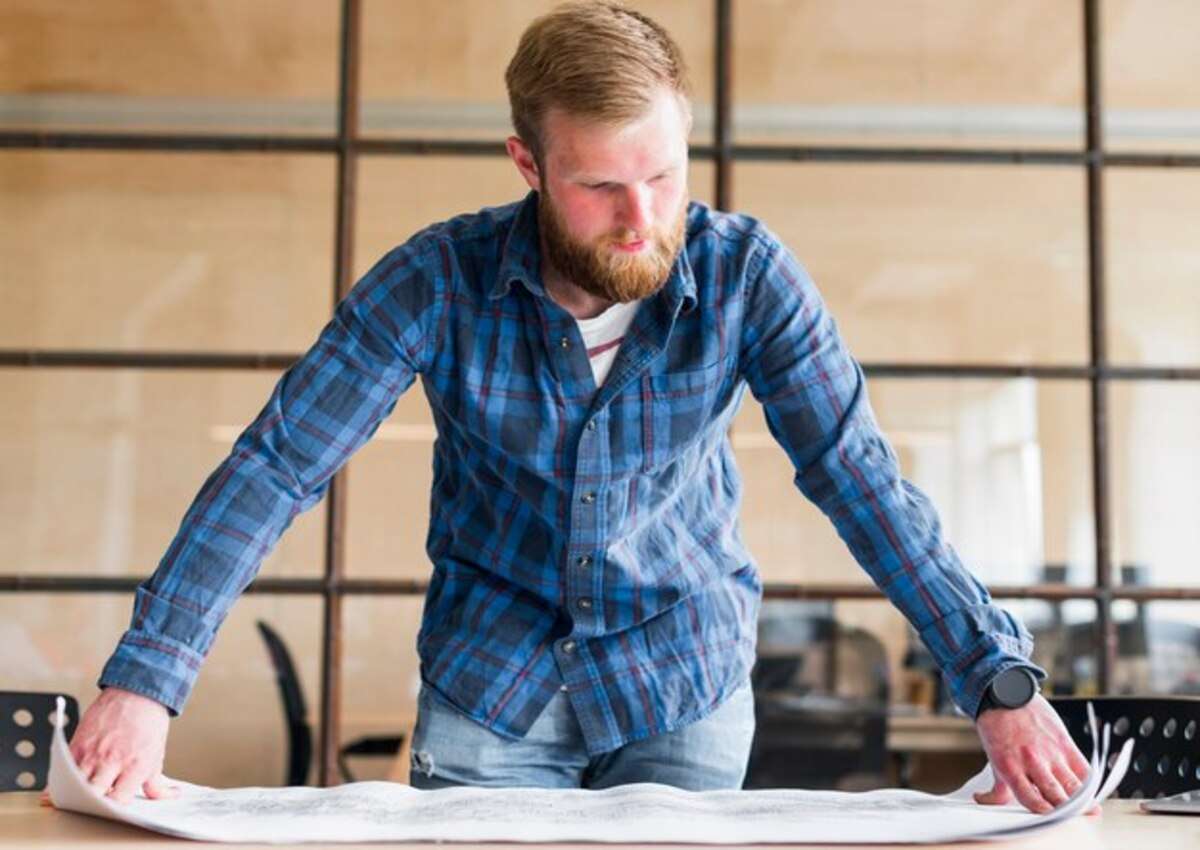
x=595 y=60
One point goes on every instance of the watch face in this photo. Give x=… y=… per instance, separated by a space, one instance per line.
x=1013 y=688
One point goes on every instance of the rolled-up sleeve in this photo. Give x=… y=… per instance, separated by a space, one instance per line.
x=815 y=401
x=324 y=407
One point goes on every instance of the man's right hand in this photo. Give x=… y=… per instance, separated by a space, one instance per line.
x=120 y=743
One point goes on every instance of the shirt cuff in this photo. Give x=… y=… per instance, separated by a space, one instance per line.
x=160 y=655
x=968 y=672
x=153 y=667
x=970 y=675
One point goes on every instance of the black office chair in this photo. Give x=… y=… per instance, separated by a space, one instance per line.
x=295 y=717
x=26 y=730
x=295 y=711
x=1166 y=733
x=821 y=694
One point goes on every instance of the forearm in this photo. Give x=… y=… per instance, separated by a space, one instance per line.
x=233 y=523
x=894 y=533
x=322 y=409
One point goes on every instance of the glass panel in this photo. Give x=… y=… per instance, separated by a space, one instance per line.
x=1064 y=643
x=100 y=466
x=702 y=176
x=182 y=66
x=60 y=642
x=400 y=195
x=165 y=251
x=917 y=73
x=888 y=636
x=937 y=263
x=1005 y=463
x=1154 y=256
x=823 y=704
x=1154 y=470
x=1158 y=647
x=1150 y=64
x=430 y=72
x=380 y=677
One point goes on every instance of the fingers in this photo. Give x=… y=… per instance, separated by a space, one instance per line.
x=77 y=754
x=1015 y=772
x=156 y=788
x=119 y=744
x=1029 y=796
x=1075 y=760
x=1031 y=752
x=1043 y=778
x=129 y=782
x=119 y=782
x=102 y=777
x=1000 y=795
x=1067 y=778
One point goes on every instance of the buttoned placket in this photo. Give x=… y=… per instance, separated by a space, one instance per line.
x=582 y=592
x=583 y=574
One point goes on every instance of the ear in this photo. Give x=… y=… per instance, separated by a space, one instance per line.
x=522 y=157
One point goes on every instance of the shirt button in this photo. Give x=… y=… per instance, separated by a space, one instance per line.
x=584 y=560
x=588 y=498
x=568 y=646
x=564 y=343
x=584 y=604
x=562 y=688
x=591 y=426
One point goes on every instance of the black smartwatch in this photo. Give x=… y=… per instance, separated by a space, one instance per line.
x=1012 y=688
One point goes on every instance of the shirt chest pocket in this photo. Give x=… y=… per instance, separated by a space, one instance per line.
x=680 y=408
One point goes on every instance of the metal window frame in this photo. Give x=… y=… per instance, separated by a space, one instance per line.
x=348 y=145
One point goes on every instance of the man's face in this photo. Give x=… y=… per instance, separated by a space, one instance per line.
x=612 y=200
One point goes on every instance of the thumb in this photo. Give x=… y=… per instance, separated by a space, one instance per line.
x=999 y=795
x=158 y=789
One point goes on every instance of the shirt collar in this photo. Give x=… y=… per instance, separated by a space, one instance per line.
x=521 y=261
x=680 y=287
x=521 y=258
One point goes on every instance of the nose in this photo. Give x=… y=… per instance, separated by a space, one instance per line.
x=636 y=213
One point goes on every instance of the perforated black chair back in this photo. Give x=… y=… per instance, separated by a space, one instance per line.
x=1166 y=739
x=26 y=729
x=295 y=712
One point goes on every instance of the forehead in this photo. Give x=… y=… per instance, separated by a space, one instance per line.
x=650 y=143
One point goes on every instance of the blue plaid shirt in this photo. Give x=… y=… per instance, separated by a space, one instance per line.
x=582 y=538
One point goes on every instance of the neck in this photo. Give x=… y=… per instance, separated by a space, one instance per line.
x=580 y=303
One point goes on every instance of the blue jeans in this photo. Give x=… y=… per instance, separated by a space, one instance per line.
x=450 y=749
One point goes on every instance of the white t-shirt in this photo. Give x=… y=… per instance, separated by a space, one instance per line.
x=603 y=334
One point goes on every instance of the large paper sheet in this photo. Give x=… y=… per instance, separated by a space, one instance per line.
x=385 y=811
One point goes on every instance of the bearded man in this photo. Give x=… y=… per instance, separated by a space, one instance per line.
x=591 y=616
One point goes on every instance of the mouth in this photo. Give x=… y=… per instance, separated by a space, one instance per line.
x=630 y=247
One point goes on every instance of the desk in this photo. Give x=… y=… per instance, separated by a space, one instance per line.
x=932 y=733
x=935 y=752
x=26 y=825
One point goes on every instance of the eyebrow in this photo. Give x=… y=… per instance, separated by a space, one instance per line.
x=596 y=178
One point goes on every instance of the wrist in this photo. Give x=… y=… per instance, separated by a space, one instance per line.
x=1009 y=689
x=115 y=693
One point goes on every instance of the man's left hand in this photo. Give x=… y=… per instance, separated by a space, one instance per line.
x=1032 y=756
